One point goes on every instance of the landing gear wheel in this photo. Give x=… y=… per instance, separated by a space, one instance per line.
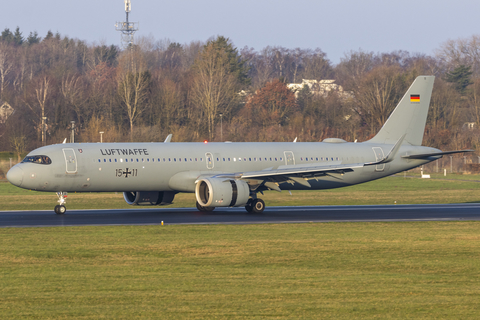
x=60 y=209
x=258 y=206
x=204 y=209
x=62 y=199
x=249 y=206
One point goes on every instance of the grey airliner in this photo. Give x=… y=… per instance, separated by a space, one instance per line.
x=231 y=174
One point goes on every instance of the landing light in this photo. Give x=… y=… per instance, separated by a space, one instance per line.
x=205 y=141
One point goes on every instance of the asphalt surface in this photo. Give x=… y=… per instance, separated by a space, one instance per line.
x=155 y=216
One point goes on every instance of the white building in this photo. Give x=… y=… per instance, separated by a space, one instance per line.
x=320 y=88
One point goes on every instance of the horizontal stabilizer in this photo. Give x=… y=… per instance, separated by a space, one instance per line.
x=434 y=154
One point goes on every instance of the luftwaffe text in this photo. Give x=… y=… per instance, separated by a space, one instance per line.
x=124 y=152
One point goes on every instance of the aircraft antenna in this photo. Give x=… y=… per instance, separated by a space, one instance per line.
x=127 y=28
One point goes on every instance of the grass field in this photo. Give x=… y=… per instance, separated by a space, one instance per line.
x=426 y=270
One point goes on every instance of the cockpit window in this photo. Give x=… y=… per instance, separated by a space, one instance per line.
x=38 y=159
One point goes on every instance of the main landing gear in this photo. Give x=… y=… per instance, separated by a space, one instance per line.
x=255 y=205
x=62 y=199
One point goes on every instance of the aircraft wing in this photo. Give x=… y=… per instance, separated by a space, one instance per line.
x=299 y=171
x=294 y=174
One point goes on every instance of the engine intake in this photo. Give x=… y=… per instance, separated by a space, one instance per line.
x=148 y=198
x=221 y=192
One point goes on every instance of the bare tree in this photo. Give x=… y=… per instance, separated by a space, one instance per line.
x=214 y=86
x=6 y=66
x=133 y=86
x=42 y=92
x=378 y=94
x=19 y=144
x=73 y=91
x=463 y=51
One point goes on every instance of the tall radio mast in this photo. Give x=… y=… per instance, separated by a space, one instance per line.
x=127 y=28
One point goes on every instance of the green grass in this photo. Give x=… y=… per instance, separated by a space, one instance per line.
x=426 y=270
x=395 y=270
x=452 y=189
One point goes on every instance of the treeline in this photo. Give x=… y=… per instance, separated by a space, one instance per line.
x=213 y=90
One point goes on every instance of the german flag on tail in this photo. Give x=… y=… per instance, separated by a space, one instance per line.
x=414 y=98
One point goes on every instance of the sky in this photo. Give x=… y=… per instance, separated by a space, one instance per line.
x=336 y=27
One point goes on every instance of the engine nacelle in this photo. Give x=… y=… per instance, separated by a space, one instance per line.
x=221 y=192
x=148 y=198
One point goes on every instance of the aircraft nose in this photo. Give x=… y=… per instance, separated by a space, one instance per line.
x=15 y=176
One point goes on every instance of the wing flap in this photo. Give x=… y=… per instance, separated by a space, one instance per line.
x=298 y=172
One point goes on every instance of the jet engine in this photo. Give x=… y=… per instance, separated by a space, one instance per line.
x=148 y=198
x=221 y=192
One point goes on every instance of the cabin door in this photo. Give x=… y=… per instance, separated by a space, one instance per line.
x=379 y=156
x=70 y=160
x=289 y=158
x=209 y=160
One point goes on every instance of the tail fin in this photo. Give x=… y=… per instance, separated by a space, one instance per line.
x=410 y=115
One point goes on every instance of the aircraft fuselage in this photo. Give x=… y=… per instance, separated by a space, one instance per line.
x=120 y=167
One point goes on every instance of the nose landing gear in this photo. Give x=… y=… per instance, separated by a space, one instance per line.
x=62 y=199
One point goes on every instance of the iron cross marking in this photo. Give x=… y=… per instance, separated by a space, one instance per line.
x=126 y=173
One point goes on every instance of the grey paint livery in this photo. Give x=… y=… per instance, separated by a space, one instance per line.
x=159 y=170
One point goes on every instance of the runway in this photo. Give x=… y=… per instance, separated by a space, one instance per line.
x=176 y=216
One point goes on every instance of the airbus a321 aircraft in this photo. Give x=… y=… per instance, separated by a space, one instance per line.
x=230 y=174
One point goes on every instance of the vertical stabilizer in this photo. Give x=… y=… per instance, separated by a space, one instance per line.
x=410 y=115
